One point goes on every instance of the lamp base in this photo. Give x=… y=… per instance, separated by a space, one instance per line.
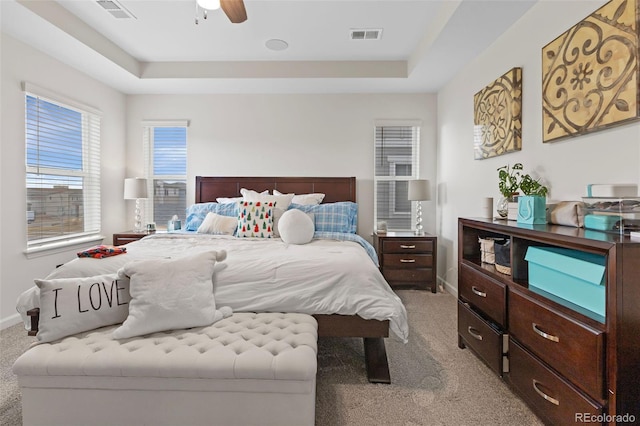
x=419 y=230
x=137 y=227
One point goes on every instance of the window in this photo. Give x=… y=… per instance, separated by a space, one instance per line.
x=165 y=147
x=62 y=168
x=396 y=163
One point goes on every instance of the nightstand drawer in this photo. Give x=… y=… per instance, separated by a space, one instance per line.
x=408 y=276
x=481 y=337
x=551 y=397
x=406 y=246
x=574 y=349
x=127 y=237
x=409 y=261
x=484 y=293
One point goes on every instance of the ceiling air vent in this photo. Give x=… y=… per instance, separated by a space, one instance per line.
x=115 y=9
x=366 y=34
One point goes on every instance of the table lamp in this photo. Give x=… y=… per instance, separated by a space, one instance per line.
x=136 y=189
x=419 y=191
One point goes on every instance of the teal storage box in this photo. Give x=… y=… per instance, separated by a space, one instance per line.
x=601 y=222
x=572 y=275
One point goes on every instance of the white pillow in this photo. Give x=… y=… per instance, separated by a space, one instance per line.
x=282 y=204
x=296 y=227
x=170 y=294
x=304 y=199
x=282 y=201
x=215 y=223
x=223 y=200
x=71 y=305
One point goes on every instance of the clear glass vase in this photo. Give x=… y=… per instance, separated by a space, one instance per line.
x=502 y=207
x=503 y=204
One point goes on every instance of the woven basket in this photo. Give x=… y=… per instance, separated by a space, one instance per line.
x=503 y=269
x=486 y=250
x=503 y=257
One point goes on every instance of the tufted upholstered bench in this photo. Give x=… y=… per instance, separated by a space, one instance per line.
x=248 y=369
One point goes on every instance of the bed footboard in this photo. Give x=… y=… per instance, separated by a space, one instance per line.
x=372 y=332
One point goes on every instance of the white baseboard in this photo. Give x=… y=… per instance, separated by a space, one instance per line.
x=10 y=320
x=449 y=288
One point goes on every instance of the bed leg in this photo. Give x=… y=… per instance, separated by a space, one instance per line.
x=35 y=319
x=375 y=357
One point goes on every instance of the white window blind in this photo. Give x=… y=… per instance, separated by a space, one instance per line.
x=62 y=169
x=165 y=147
x=396 y=163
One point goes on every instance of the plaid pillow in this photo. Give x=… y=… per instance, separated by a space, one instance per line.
x=197 y=212
x=333 y=217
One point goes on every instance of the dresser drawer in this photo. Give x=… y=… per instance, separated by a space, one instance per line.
x=409 y=260
x=406 y=246
x=551 y=397
x=481 y=337
x=483 y=292
x=573 y=349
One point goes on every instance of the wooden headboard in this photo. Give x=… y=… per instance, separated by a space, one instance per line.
x=208 y=188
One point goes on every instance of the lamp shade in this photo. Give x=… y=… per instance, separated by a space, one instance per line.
x=135 y=188
x=419 y=190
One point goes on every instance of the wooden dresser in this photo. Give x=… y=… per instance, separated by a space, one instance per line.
x=569 y=364
x=407 y=260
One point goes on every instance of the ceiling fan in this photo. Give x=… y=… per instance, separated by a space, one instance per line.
x=234 y=9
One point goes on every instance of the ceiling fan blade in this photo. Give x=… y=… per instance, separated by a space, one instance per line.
x=235 y=10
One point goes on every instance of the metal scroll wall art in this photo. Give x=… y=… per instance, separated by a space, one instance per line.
x=590 y=74
x=498 y=116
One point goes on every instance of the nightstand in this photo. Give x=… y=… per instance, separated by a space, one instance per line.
x=123 y=238
x=407 y=260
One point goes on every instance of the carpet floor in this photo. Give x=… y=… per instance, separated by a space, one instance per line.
x=433 y=381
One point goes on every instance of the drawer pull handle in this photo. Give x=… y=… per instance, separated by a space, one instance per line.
x=475 y=290
x=544 y=395
x=543 y=334
x=475 y=333
x=402 y=246
x=407 y=261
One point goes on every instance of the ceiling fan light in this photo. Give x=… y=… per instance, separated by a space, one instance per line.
x=209 y=4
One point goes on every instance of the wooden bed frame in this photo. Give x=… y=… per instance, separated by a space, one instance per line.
x=373 y=332
x=335 y=189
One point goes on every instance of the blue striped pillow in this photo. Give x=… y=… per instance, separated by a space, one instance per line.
x=197 y=212
x=332 y=217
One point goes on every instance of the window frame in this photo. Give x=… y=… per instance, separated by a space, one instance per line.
x=413 y=160
x=90 y=127
x=149 y=127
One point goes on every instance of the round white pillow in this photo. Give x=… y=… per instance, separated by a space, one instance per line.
x=296 y=227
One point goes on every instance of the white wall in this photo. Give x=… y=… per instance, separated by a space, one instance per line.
x=22 y=63
x=286 y=135
x=608 y=156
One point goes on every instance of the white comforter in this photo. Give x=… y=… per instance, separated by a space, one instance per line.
x=267 y=275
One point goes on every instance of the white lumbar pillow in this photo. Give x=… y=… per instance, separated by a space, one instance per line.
x=296 y=227
x=71 y=305
x=169 y=294
x=215 y=223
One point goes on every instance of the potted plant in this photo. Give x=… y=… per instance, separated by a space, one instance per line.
x=532 y=206
x=508 y=183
